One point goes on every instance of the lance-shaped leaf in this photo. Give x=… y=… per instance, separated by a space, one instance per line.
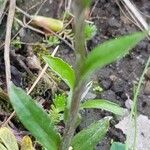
x=117 y=146
x=34 y=118
x=108 y=52
x=62 y=69
x=8 y=139
x=105 y=105
x=88 y=138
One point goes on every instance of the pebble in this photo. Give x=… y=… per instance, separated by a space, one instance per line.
x=113 y=22
x=106 y=84
x=118 y=86
x=147 y=74
x=109 y=95
x=147 y=88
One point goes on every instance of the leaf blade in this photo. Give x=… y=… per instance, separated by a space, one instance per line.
x=8 y=139
x=34 y=118
x=117 y=146
x=109 y=51
x=88 y=138
x=62 y=69
x=103 y=104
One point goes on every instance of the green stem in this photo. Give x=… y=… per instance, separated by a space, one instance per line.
x=133 y=109
x=79 y=13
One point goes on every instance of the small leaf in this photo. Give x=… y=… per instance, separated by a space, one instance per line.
x=34 y=118
x=26 y=143
x=108 y=52
x=8 y=139
x=47 y=23
x=104 y=104
x=89 y=31
x=88 y=138
x=117 y=146
x=60 y=102
x=62 y=69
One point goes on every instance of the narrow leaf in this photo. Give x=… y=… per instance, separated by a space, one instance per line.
x=88 y=138
x=117 y=146
x=109 y=52
x=62 y=69
x=8 y=139
x=105 y=105
x=34 y=118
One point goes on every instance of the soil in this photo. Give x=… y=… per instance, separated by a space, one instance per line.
x=118 y=79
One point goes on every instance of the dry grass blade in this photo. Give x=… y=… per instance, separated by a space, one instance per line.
x=10 y=17
x=2 y=8
x=135 y=14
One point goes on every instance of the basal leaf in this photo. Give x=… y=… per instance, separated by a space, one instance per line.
x=105 y=105
x=8 y=139
x=88 y=138
x=34 y=118
x=62 y=69
x=117 y=146
x=109 y=51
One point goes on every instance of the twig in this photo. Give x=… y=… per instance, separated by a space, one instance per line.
x=2 y=7
x=10 y=17
x=27 y=23
x=124 y=13
x=39 y=31
x=92 y=10
x=42 y=72
x=32 y=87
x=136 y=14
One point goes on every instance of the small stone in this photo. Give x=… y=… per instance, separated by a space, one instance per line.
x=147 y=74
x=113 y=78
x=113 y=22
x=128 y=103
x=106 y=84
x=33 y=62
x=147 y=88
x=109 y=94
x=118 y=86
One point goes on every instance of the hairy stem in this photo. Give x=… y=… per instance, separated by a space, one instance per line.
x=79 y=13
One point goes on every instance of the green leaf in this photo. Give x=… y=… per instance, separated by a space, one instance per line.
x=89 y=31
x=62 y=69
x=117 y=146
x=34 y=118
x=60 y=102
x=8 y=139
x=108 y=52
x=88 y=138
x=104 y=104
